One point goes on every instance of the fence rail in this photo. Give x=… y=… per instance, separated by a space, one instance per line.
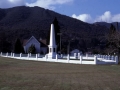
x=76 y=59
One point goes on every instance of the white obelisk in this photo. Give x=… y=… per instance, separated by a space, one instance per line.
x=52 y=45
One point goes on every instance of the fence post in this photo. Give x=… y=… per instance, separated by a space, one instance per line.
x=28 y=56
x=103 y=56
x=112 y=57
x=1 y=53
x=20 y=55
x=95 y=59
x=13 y=54
x=81 y=59
x=106 y=57
x=56 y=57
x=61 y=55
x=75 y=54
x=36 y=56
x=68 y=57
x=116 y=59
x=7 y=54
x=98 y=56
x=109 y=57
x=78 y=55
x=46 y=57
x=86 y=55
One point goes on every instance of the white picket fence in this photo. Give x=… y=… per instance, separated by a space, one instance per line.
x=76 y=59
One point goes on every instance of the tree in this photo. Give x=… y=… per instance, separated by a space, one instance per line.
x=111 y=36
x=5 y=45
x=117 y=26
x=57 y=31
x=18 y=48
x=113 y=40
x=112 y=29
x=32 y=49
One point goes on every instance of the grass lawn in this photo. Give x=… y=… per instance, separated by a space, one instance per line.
x=33 y=75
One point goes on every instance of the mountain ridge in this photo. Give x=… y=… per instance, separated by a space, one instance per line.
x=24 y=22
x=108 y=24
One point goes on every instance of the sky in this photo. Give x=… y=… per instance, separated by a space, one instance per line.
x=89 y=11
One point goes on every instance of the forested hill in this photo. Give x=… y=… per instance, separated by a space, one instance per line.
x=23 y=22
x=116 y=24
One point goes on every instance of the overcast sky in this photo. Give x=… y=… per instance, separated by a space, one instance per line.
x=86 y=10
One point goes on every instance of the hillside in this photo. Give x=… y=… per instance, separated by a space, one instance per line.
x=108 y=24
x=23 y=22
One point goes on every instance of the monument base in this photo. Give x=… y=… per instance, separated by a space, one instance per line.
x=53 y=56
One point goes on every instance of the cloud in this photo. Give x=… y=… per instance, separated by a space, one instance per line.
x=49 y=4
x=116 y=18
x=83 y=17
x=11 y=3
x=106 y=17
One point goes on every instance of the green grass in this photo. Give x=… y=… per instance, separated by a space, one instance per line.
x=31 y=75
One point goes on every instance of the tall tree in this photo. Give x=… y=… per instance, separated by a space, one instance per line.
x=5 y=46
x=18 y=48
x=57 y=31
x=117 y=26
x=112 y=29
x=111 y=36
x=113 y=40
